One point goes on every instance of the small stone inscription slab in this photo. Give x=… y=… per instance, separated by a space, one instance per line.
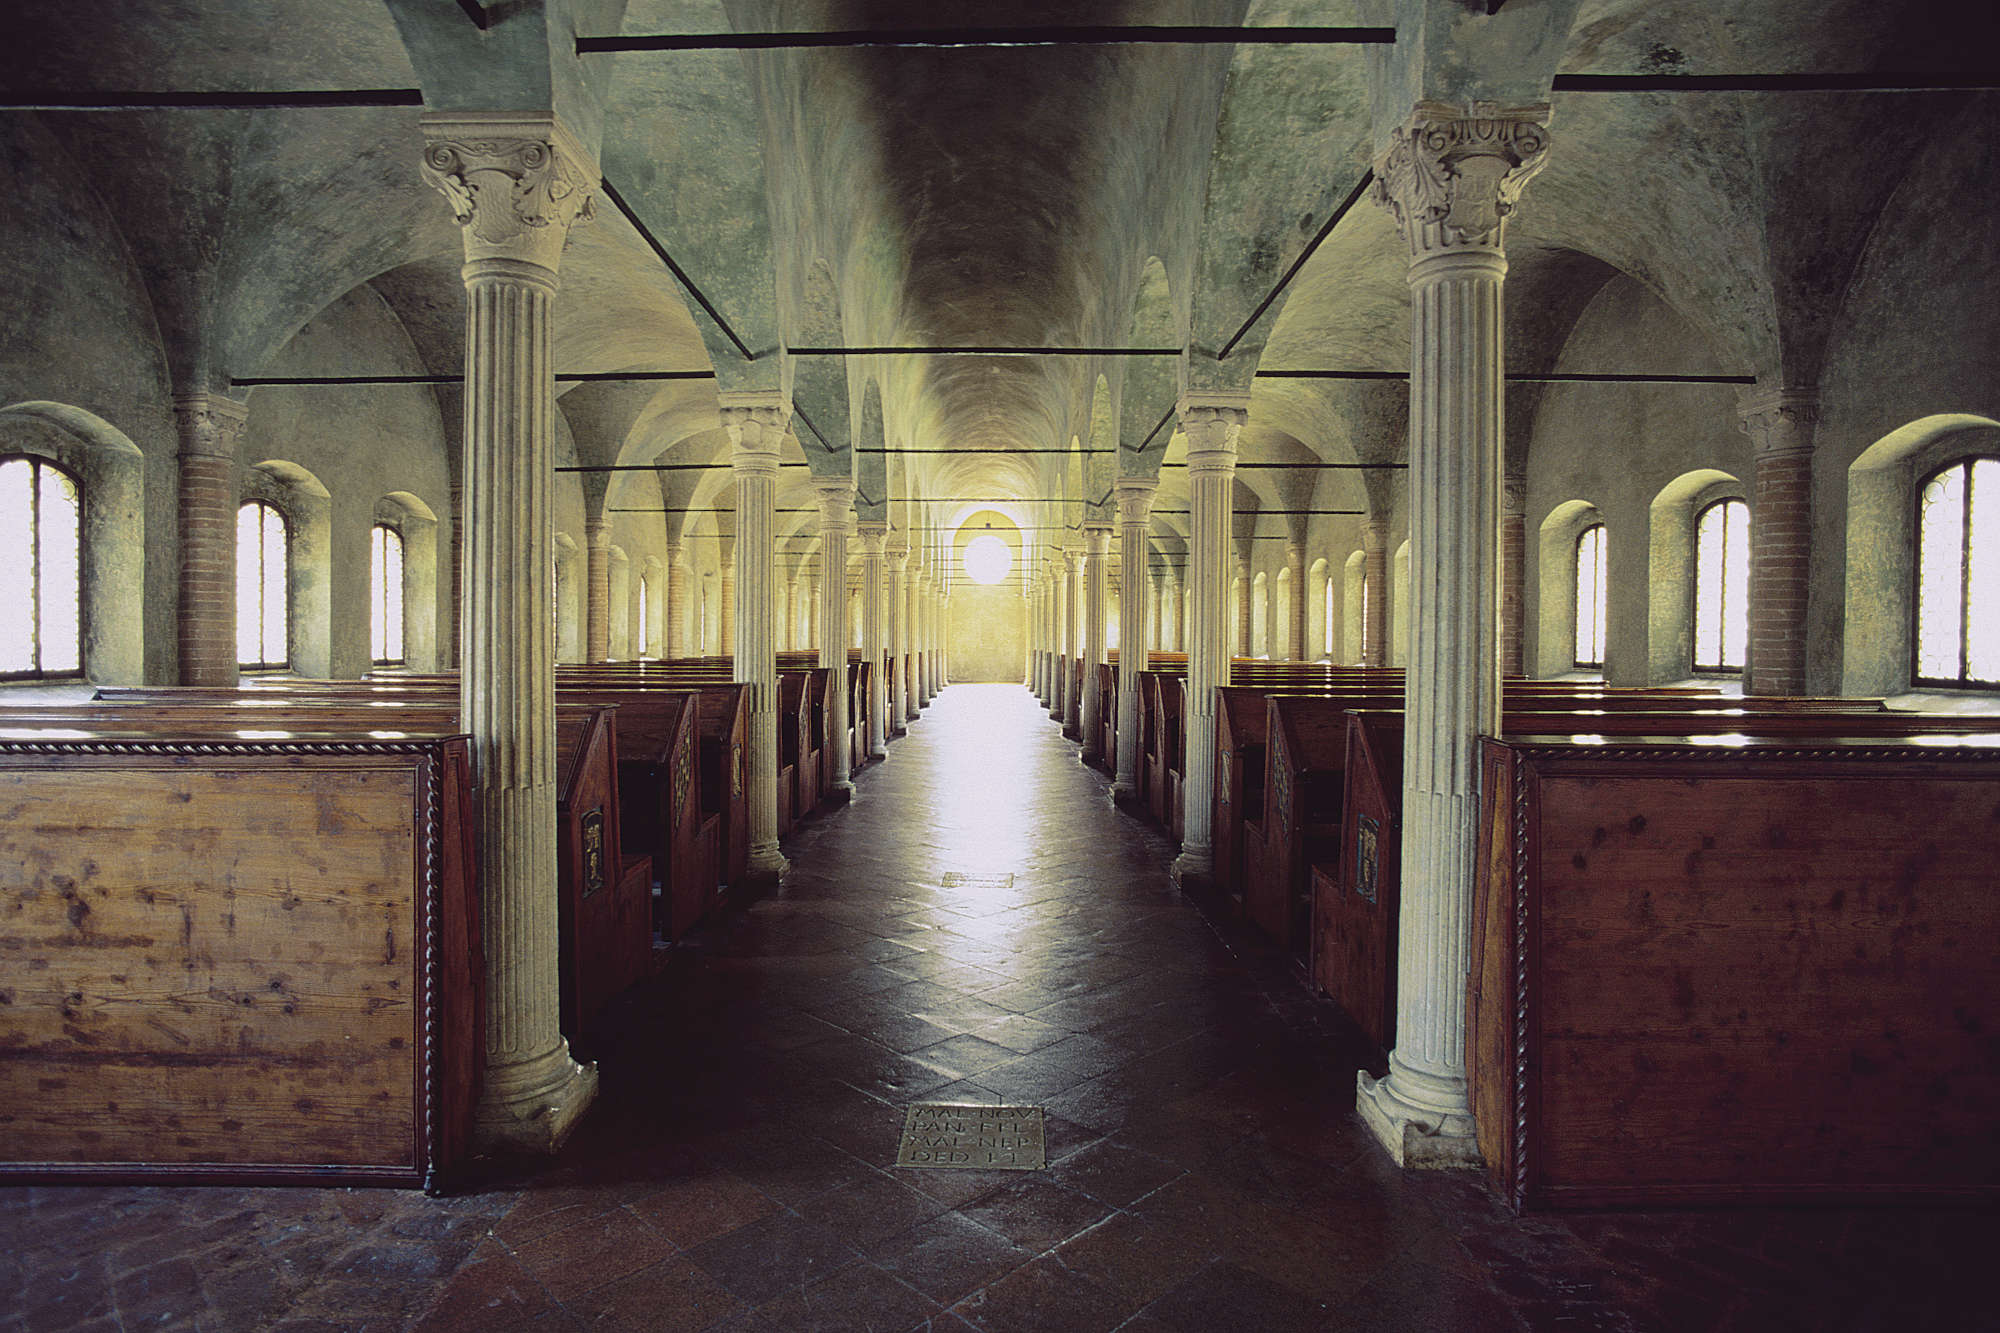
x=955 y=879
x=974 y=1138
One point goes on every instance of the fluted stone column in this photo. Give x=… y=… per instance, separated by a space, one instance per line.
x=836 y=518
x=1375 y=594
x=1181 y=612
x=1212 y=423
x=1158 y=638
x=1096 y=595
x=1781 y=423
x=1245 y=609
x=1076 y=612
x=1513 y=568
x=1450 y=177
x=874 y=632
x=1059 y=636
x=907 y=677
x=899 y=641
x=597 y=596
x=813 y=635
x=1135 y=515
x=211 y=430
x=516 y=183
x=673 y=636
x=924 y=629
x=756 y=422
x=1295 y=565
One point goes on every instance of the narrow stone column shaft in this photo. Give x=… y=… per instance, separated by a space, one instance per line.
x=836 y=517
x=1096 y=630
x=1375 y=592
x=1059 y=637
x=1421 y=1110
x=516 y=184
x=874 y=632
x=1212 y=424
x=597 y=600
x=1246 y=605
x=756 y=424
x=673 y=634
x=1781 y=423
x=899 y=639
x=1295 y=566
x=211 y=430
x=1135 y=513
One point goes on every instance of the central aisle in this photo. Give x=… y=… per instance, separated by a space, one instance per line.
x=1207 y=1171
x=980 y=925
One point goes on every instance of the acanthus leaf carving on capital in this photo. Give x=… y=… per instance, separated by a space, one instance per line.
x=516 y=184
x=1135 y=499
x=1212 y=426
x=1453 y=173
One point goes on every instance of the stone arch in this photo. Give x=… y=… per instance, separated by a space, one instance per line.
x=110 y=471
x=1260 y=615
x=416 y=523
x=1354 y=579
x=1670 y=569
x=308 y=509
x=569 y=599
x=1319 y=582
x=1555 y=639
x=1880 y=617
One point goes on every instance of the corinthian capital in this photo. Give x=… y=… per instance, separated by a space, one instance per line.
x=756 y=422
x=1211 y=423
x=1453 y=173
x=516 y=183
x=1135 y=498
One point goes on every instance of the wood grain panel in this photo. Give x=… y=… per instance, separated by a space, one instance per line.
x=208 y=963
x=1779 y=978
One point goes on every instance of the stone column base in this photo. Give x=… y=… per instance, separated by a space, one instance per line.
x=532 y=1107
x=1194 y=869
x=1416 y=1138
x=767 y=863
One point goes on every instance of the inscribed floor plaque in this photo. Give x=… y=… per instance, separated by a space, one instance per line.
x=979 y=1138
x=958 y=879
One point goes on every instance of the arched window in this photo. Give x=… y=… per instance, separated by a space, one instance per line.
x=645 y=614
x=1721 y=586
x=385 y=595
x=41 y=552
x=1327 y=646
x=1958 y=575
x=1592 y=601
x=262 y=605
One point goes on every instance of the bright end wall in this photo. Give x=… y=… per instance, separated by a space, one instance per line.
x=989 y=623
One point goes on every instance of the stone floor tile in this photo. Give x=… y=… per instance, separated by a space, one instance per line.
x=1043 y=1297
x=758 y=1261
x=704 y=1207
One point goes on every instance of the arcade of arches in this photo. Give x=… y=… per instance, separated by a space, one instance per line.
x=443 y=337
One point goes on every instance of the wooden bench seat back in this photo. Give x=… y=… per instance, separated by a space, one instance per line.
x=1725 y=974
x=1306 y=750
x=235 y=960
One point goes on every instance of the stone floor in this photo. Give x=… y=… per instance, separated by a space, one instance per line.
x=1206 y=1171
